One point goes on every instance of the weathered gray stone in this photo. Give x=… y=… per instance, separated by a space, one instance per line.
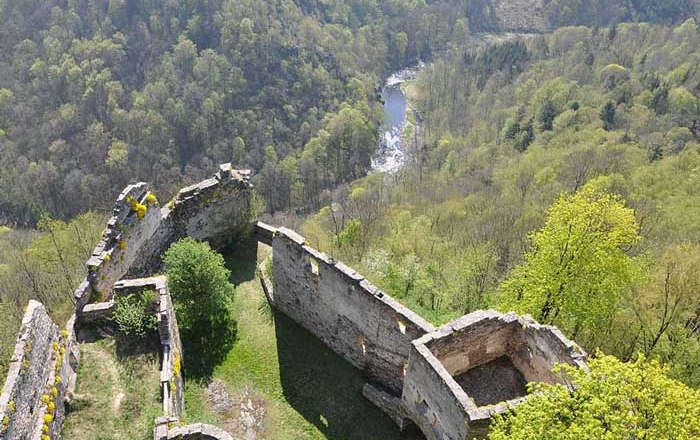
x=388 y=403
x=264 y=233
x=31 y=372
x=372 y=332
x=438 y=360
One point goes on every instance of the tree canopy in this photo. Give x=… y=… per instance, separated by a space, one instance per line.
x=616 y=401
x=578 y=270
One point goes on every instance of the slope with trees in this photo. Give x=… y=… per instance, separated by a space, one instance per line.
x=557 y=177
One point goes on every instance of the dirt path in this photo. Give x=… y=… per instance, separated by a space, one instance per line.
x=110 y=373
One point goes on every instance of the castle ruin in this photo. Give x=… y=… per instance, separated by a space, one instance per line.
x=446 y=381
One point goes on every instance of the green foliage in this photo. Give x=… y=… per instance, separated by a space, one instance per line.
x=444 y=233
x=578 y=271
x=98 y=94
x=201 y=292
x=615 y=401
x=133 y=315
x=198 y=282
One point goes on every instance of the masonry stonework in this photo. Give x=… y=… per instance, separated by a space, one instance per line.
x=42 y=369
x=444 y=405
x=367 y=327
x=446 y=381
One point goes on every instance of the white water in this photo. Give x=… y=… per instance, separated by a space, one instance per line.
x=390 y=155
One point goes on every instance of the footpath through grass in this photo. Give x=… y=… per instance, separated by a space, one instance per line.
x=279 y=382
x=117 y=393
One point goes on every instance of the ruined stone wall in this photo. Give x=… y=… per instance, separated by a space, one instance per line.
x=171 y=379
x=123 y=238
x=42 y=368
x=196 y=431
x=216 y=210
x=434 y=400
x=139 y=231
x=364 y=325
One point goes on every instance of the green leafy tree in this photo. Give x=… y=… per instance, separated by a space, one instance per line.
x=201 y=292
x=578 y=270
x=616 y=401
x=198 y=282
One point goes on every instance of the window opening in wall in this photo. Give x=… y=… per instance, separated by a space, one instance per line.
x=402 y=327
x=314 y=266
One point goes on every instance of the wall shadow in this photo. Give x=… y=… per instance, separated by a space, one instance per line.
x=327 y=390
x=242 y=260
x=207 y=345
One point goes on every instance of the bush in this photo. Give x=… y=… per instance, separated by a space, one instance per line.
x=201 y=292
x=131 y=313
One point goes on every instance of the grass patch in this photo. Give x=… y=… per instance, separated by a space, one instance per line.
x=294 y=385
x=117 y=394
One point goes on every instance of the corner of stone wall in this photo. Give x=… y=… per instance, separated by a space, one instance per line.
x=353 y=317
x=32 y=389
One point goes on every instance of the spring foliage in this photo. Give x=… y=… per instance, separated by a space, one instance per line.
x=616 y=401
x=131 y=313
x=198 y=282
x=578 y=270
x=201 y=292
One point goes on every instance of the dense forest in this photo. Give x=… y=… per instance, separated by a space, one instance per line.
x=554 y=173
x=558 y=177
x=94 y=94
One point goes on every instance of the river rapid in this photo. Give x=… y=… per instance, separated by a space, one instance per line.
x=390 y=154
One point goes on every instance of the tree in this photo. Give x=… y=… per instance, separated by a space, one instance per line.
x=198 y=282
x=616 y=401
x=578 y=270
x=201 y=292
x=607 y=115
x=547 y=115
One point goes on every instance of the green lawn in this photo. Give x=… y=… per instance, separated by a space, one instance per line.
x=117 y=393
x=288 y=383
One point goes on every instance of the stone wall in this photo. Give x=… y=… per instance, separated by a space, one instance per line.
x=139 y=231
x=171 y=379
x=42 y=369
x=215 y=210
x=436 y=402
x=367 y=327
x=196 y=431
x=126 y=232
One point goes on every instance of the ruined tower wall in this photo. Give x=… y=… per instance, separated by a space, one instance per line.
x=364 y=325
x=42 y=368
x=216 y=210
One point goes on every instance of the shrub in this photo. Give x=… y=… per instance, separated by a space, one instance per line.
x=617 y=400
x=131 y=313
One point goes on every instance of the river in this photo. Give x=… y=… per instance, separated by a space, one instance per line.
x=390 y=154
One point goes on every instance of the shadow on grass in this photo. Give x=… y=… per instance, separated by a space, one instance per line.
x=207 y=345
x=326 y=389
x=242 y=261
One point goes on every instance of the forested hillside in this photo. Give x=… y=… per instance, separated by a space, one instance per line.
x=559 y=178
x=95 y=94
